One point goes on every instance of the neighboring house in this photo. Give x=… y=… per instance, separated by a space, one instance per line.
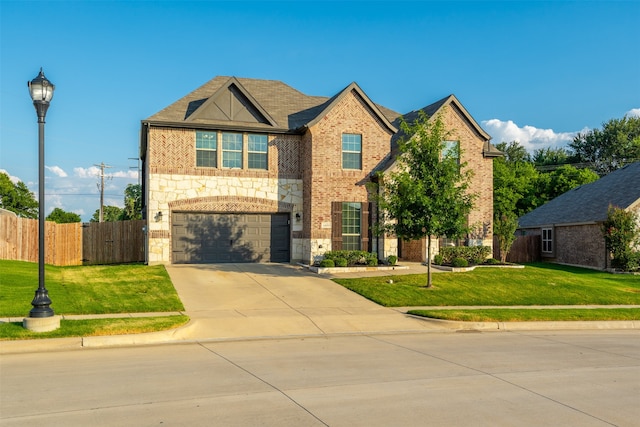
x=570 y=225
x=247 y=170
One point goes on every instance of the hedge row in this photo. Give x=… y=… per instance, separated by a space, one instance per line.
x=351 y=258
x=472 y=254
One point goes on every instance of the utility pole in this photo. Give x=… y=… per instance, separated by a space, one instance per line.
x=102 y=167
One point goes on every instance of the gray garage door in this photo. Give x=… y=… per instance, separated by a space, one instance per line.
x=199 y=238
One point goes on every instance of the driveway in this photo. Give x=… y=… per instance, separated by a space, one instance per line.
x=272 y=300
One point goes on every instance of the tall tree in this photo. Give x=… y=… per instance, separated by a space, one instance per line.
x=132 y=202
x=17 y=198
x=617 y=144
x=109 y=214
x=60 y=216
x=426 y=195
x=550 y=156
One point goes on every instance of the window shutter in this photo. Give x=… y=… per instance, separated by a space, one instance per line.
x=365 y=231
x=336 y=226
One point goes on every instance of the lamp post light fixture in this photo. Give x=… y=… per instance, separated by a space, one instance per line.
x=41 y=91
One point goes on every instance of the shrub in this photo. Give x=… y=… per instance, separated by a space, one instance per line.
x=492 y=261
x=459 y=262
x=341 y=262
x=327 y=263
x=353 y=257
x=473 y=254
x=392 y=260
x=372 y=262
x=438 y=259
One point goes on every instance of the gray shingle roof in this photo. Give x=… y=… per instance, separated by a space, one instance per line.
x=589 y=202
x=289 y=108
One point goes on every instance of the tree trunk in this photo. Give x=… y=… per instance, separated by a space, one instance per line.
x=428 y=262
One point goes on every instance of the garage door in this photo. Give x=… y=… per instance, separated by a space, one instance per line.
x=212 y=238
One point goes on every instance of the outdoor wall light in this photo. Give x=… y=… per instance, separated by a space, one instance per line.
x=158 y=216
x=297 y=216
x=41 y=91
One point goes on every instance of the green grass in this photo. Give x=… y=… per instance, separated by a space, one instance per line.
x=536 y=284
x=94 y=327
x=131 y=288
x=520 y=315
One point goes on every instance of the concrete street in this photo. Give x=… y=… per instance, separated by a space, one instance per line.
x=562 y=378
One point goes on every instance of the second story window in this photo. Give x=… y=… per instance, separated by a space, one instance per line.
x=257 y=152
x=232 y=150
x=206 y=149
x=351 y=151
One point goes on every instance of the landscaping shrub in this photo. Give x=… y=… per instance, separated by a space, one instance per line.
x=438 y=259
x=472 y=254
x=459 y=262
x=353 y=257
x=341 y=262
x=392 y=260
x=327 y=263
x=492 y=261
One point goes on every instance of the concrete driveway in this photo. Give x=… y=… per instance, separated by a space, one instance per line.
x=272 y=300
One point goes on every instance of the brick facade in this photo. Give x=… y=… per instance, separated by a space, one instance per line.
x=304 y=174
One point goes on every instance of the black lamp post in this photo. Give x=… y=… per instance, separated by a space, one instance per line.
x=41 y=91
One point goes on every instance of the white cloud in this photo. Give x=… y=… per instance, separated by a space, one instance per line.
x=529 y=137
x=57 y=170
x=634 y=112
x=89 y=172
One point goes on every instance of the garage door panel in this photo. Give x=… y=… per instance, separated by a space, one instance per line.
x=213 y=238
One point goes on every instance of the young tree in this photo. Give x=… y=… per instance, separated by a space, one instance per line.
x=426 y=196
x=617 y=144
x=17 y=198
x=62 y=217
x=621 y=235
x=504 y=227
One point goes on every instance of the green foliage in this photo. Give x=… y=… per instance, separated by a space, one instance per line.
x=459 y=262
x=132 y=203
x=472 y=254
x=109 y=214
x=621 y=235
x=609 y=148
x=392 y=260
x=17 y=198
x=352 y=257
x=327 y=263
x=427 y=194
x=438 y=259
x=504 y=227
x=550 y=156
x=62 y=217
x=341 y=262
x=492 y=261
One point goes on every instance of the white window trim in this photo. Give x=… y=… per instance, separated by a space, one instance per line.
x=548 y=240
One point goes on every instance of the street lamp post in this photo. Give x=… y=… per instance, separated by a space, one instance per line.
x=41 y=91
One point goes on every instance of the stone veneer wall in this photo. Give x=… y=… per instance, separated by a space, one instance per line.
x=174 y=192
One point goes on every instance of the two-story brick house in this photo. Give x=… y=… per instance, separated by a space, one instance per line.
x=247 y=170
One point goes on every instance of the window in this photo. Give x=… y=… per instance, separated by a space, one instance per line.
x=547 y=240
x=351 y=151
x=257 y=151
x=451 y=149
x=206 y=149
x=351 y=226
x=232 y=150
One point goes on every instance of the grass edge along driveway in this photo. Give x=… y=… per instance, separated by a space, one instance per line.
x=129 y=288
x=537 y=284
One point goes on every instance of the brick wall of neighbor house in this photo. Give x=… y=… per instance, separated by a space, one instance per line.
x=580 y=245
x=325 y=180
x=481 y=217
x=175 y=183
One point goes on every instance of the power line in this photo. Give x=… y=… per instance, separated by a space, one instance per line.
x=102 y=167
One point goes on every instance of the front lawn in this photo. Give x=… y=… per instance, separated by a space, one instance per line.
x=100 y=289
x=536 y=284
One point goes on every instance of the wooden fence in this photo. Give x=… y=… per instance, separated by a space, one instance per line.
x=72 y=244
x=113 y=242
x=524 y=249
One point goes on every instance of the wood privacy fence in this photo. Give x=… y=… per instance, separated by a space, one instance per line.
x=524 y=249
x=72 y=244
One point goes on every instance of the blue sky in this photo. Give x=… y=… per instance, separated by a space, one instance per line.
x=536 y=72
